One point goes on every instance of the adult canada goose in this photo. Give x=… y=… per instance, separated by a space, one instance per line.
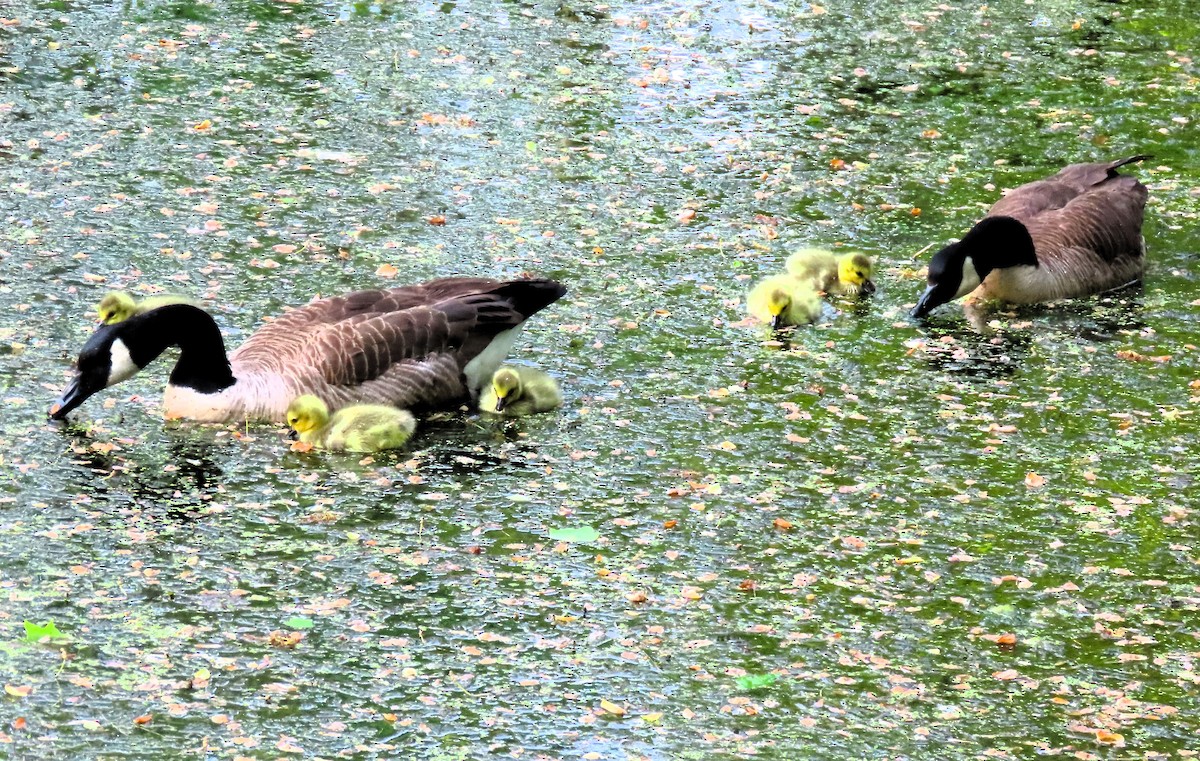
x=417 y=347
x=357 y=428
x=1073 y=234
x=846 y=275
x=118 y=306
x=782 y=300
x=517 y=391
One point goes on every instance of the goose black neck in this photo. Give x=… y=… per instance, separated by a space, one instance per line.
x=999 y=242
x=203 y=364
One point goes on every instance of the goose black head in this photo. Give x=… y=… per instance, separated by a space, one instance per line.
x=959 y=268
x=104 y=361
x=116 y=352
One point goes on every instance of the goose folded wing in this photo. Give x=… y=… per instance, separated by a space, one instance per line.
x=1086 y=176
x=287 y=338
x=376 y=301
x=1106 y=222
x=357 y=351
x=1027 y=201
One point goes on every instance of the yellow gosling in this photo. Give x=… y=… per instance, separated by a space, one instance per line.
x=518 y=391
x=782 y=300
x=846 y=275
x=357 y=428
x=119 y=306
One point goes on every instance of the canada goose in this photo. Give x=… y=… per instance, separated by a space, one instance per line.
x=118 y=306
x=1073 y=234
x=357 y=428
x=846 y=275
x=420 y=346
x=781 y=300
x=517 y=391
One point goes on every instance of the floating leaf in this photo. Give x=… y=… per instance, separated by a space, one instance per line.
x=201 y=678
x=755 y=681
x=299 y=622
x=578 y=534
x=612 y=708
x=39 y=632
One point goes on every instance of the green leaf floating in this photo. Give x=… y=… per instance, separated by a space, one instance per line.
x=754 y=681
x=299 y=622
x=38 y=632
x=578 y=534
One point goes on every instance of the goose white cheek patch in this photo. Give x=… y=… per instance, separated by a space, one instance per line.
x=121 y=365
x=970 y=278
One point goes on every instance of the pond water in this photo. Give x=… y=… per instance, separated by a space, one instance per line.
x=881 y=539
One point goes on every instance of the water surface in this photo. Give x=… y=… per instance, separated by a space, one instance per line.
x=863 y=513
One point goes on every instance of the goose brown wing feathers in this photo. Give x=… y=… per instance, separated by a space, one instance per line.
x=286 y=328
x=1029 y=200
x=287 y=340
x=1083 y=177
x=1106 y=221
x=358 y=350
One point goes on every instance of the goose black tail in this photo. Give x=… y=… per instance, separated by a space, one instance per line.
x=1113 y=167
x=531 y=296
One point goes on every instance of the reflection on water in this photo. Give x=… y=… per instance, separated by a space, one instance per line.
x=825 y=512
x=999 y=337
x=986 y=354
x=180 y=480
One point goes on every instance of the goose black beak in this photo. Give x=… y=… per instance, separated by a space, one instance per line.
x=777 y=322
x=926 y=303
x=501 y=402
x=74 y=396
x=293 y=435
x=868 y=287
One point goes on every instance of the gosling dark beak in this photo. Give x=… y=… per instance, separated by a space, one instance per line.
x=777 y=322
x=71 y=398
x=293 y=435
x=926 y=303
x=868 y=287
x=501 y=402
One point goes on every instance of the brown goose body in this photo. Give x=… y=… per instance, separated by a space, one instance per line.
x=423 y=346
x=1076 y=233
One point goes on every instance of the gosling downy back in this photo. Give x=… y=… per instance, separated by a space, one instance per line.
x=1076 y=233
x=357 y=428
x=431 y=345
x=118 y=306
x=846 y=274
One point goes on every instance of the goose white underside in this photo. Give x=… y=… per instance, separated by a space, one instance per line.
x=255 y=399
x=479 y=370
